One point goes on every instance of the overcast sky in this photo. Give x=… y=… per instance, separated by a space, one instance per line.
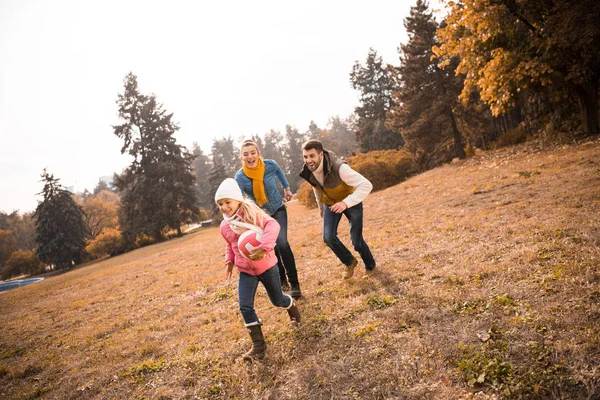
x=223 y=68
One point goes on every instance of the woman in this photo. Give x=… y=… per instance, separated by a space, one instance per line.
x=258 y=180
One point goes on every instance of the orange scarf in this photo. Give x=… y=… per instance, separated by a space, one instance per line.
x=257 y=175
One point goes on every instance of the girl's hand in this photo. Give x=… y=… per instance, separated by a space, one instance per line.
x=228 y=269
x=287 y=194
x=257 y=254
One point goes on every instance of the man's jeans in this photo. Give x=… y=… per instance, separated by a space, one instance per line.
x=331 y=221
x=283 y=251
x=247 y=286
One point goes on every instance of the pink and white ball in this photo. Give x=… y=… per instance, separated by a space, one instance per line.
x=249 y=241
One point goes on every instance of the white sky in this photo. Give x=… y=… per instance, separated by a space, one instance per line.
x=223 y=68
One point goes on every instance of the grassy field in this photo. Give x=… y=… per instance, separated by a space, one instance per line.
x=487 y=287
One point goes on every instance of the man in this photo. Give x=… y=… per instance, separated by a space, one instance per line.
x=339 y=190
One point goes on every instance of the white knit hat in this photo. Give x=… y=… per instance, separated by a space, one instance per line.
x=229 y=189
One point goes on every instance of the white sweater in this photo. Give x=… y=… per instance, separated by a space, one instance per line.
x=362 y=186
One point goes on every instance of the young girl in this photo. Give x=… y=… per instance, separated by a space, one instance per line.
x=262 y=266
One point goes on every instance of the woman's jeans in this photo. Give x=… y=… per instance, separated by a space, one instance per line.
x=331 y=221
x=247 y=286
x=283 y=251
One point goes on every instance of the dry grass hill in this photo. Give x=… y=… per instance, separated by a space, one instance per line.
x=487 y=287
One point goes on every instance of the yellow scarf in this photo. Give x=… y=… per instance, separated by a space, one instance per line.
x=257 y=175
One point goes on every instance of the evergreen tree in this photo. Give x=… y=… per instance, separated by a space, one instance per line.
x=216 y=175
x=375 y=84
x=158 y=187
x=60 y=227
x=225 y=153
x=293 y=156
x=342 y=132
x=273 y=147
x=426 y=96
x=100 y=186
x=201 y=166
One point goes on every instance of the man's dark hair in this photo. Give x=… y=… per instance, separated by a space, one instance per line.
x=313 y=144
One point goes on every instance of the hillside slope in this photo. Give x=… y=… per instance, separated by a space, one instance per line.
x=487 y=286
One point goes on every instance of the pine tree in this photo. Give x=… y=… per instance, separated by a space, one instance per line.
x=225 y=153
x=201 y=166
x=273 y=147
x=216 y=175
x=374 y=82
x=158 y=187
x=100 y=186
x=60 y=226
x=293 y=156
x=426 y=96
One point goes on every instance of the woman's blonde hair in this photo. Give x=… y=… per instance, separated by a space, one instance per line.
x=253 y=214
x=250 y=142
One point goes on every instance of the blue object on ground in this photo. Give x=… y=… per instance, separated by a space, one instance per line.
x=18 y=283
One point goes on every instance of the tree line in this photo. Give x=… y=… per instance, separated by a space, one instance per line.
x=492 y=72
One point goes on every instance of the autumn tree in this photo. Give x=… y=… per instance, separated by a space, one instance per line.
x=374 y=83
x=99 y=215
x=8 y=245
x=534 y=55
x=22 y=228
x=425 y=98
x=60 y=225
x=158 y=187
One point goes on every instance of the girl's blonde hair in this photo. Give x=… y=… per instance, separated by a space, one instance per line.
x=253 y=214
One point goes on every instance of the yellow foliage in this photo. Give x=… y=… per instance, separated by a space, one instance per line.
x=306 y=196
x=384 y=168
x=106 y=243
x=100 y=215
x=142 y=240
x=21 y=262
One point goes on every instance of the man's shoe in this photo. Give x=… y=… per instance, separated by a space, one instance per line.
x=349 y=270
x=296 y=293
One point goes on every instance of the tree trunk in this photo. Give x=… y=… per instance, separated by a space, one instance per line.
x=588 y=96
x=459 y=148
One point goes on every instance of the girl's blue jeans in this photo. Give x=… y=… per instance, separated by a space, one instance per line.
x=247 y=286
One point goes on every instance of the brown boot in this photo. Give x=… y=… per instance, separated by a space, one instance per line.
x=349 y=270
x=293 y=312
x=258 y=344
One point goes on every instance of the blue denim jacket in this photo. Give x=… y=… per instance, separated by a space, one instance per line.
x=273 y=173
